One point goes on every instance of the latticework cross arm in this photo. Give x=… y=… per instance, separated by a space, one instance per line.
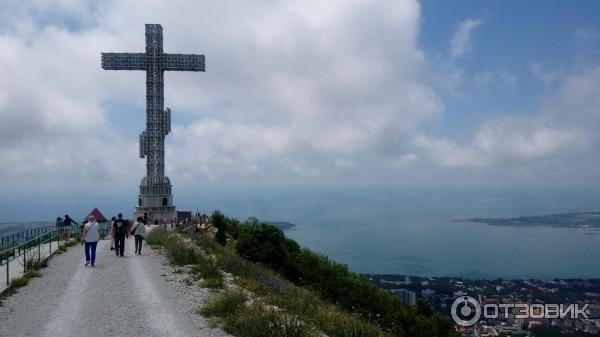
x=123 y=61
x=183 y=62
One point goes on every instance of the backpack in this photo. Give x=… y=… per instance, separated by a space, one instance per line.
x=120 y=226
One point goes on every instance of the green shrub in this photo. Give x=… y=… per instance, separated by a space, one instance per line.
x=71 y=243
x=267 y=244
x=213 y=283
x=33 y=261
x=337 y=324
x=260 y=322
x=180 y=254
x=158 y=237
x=228 y=304
x=218 y=220
x=19 y=282
x=209 y=271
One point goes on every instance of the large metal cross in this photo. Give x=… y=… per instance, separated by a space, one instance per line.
x=158 y=121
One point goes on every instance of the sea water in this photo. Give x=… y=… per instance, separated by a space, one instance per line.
x=417 y=230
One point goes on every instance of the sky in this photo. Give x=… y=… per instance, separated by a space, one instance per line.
x=303 y=92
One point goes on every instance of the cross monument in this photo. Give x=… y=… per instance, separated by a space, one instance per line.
x=155 y=198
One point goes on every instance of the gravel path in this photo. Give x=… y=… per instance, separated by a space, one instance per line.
x=121 y=296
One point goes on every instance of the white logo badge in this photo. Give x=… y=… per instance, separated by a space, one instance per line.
x=465 y=311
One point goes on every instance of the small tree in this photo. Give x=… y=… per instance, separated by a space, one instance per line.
x=423 y=307
x=218 y=220
x=221 y=237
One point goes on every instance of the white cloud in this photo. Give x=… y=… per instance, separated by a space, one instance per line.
x=560 y=137
x=508 y=77
x=484 y=78
x=504 y=143
x=543 y=74
x=461 y=41
x=292 y=88
x=586 y=35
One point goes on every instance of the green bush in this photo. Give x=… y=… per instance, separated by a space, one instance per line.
x=209 y=271
x=180 y=254
x=158 y=237
x=218 y=220
x=213 y=283
x=33 y=261
x=267 y=244
x=71 y=243
x=229 y=304
x=19 y=282
x=260 y=322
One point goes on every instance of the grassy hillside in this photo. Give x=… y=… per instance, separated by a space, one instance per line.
x=273 y=287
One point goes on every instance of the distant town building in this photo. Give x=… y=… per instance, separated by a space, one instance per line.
x=459 y=293
x=427 y=293
x=406 y=296
x=510 y=330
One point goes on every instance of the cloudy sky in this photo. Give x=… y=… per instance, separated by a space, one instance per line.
x=399 y=91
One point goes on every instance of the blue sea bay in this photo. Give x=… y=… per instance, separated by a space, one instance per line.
x=414 y=230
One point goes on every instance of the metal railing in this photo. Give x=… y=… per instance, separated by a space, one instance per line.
x=25 y=235
x=18 y=245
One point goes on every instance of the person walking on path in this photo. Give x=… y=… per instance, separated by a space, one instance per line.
x=59 y=222
x=91 y=235
x=111 y=232
x=120 y=231
x=67 y=223
x=139 y=232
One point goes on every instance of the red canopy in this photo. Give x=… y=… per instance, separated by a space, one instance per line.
x=98 y=215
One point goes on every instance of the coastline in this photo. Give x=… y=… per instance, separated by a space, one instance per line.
x=589 y=220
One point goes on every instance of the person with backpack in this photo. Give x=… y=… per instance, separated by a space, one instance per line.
x=67 y=223
x=120 y=232
x=91 y=235
x=139 y=232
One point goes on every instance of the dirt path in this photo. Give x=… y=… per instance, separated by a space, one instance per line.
x=122 y=296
